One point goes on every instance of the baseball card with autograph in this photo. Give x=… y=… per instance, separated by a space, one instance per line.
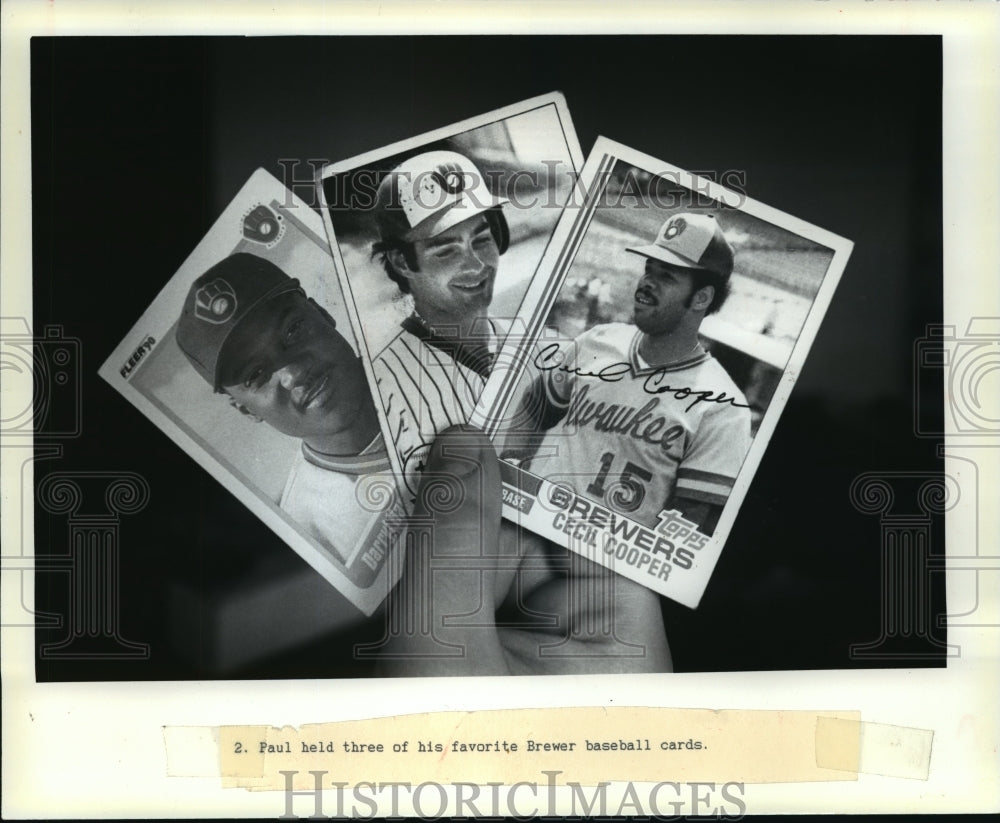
x=671 y=316
x=436 y=239
x=242 y=360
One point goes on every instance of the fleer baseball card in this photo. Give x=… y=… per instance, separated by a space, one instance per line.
x=670 y=318
x=436 y=239
x=243 y=359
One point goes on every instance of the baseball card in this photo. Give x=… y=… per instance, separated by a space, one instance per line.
x=671 y=315
x=435 y=241
x=242 y=360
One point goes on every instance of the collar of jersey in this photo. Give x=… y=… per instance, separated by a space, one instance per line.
x=678 y=365
x=418 y=327
x=372 y=458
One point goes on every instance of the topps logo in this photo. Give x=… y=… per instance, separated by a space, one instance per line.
x=144 y=348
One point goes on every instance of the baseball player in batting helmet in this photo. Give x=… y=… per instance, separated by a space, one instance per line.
x=424 y=207
x=441 y=232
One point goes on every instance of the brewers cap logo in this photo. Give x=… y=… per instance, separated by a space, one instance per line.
x=691 y=240
x=450 y=177
x=215 y=302
x=674 y=228
x=262 y=225
x=433 y=191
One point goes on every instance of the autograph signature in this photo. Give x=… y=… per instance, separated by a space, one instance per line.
x=549 y=359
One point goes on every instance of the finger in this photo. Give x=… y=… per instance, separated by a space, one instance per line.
x=445 y=603
x=460 y=493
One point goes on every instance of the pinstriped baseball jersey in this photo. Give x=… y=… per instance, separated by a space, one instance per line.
x=424 y=390
x=636 y=436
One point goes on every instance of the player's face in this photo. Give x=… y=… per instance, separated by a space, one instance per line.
x=287 y=364
x=662 y=297
x=456 y=270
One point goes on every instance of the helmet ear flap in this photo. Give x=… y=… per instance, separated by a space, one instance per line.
x=501 y=232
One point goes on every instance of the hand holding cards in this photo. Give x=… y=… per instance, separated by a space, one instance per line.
x=626 y=335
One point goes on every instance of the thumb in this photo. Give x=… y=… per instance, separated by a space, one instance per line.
x=459 y=494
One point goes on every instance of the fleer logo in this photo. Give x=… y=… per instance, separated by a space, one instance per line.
x=674 y=228
x=215 y=302
x=449 y=177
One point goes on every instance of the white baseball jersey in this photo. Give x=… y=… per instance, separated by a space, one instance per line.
x=424 y=390
x=333 y=499
x=634 y=436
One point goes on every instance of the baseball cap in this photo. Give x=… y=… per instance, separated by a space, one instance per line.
x=217 y=303
x=693 y=241
x=430 y=193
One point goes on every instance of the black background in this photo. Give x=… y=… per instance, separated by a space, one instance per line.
x=139 y=143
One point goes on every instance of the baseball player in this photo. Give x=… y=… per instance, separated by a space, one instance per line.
x=647 y=419
x=441 y=234
x=253 y=334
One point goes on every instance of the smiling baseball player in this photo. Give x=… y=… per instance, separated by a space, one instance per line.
x=441 y=234
x=647 y=419
x=252 y=333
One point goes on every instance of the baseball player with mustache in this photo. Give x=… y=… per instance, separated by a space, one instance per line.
x=647 y=420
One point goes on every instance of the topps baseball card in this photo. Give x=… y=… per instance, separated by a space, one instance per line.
x=669 y=319
x=435 y=241
x=256 y=305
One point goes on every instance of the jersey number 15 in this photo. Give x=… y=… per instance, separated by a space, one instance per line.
x=628 y=491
